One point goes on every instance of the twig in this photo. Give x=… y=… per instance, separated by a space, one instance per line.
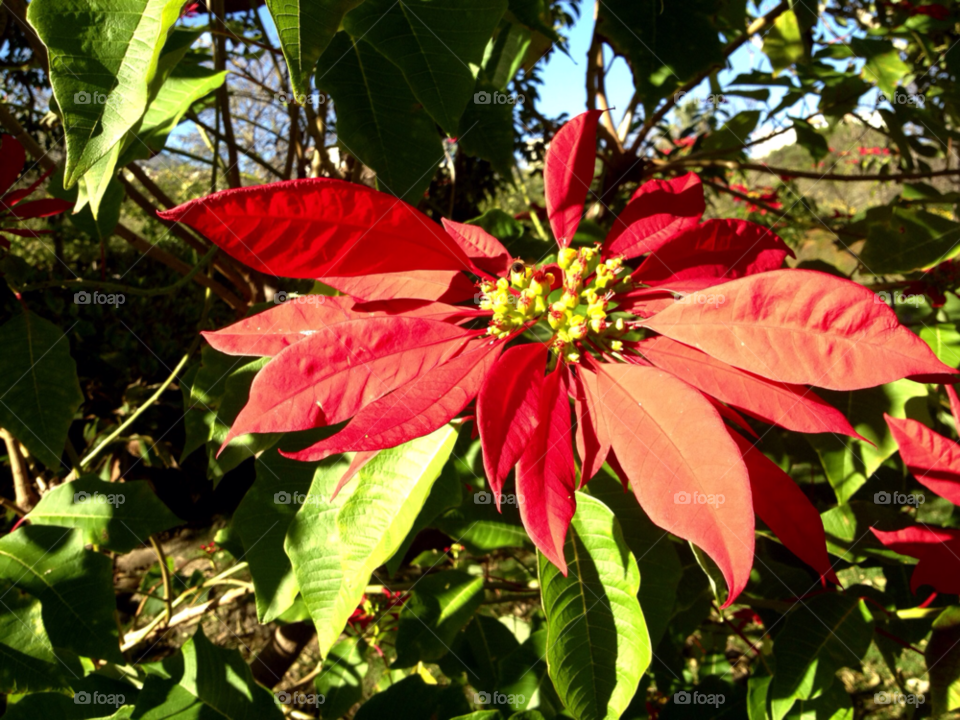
x=165 y=574
x=25 y=494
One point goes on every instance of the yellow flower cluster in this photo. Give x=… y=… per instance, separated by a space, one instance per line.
x=516 y=301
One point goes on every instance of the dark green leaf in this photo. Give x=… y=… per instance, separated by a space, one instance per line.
x=39 y=390
x=943 y=660
x=903 y=239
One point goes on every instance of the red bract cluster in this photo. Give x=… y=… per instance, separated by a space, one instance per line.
x=769 y=196
x=12 y=207
x=637 y=352
x=935 y=463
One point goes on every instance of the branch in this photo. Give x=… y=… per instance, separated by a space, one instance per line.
x=809 y=174
x=756 y=26
x=250 y=154
x=25 y=494
x=747 y=198
x=223 y=96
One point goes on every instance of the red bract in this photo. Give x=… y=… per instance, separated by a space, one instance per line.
x=12 y=207
x=659 y=337
x=935 y=463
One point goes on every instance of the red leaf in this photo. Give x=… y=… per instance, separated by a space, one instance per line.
x=266 y=334
x=411 y=307
x=794 y=407
x=356 y=465
x=721 y=249
x=331 y=375
x=786 y=510
x=658 y=211
x=675 y=450
x=954 y=402
x=801 y=327
x=567 y=173
x=915 y=541
x=933 y=459
x=444 y=285
x=507 y=410
x=939 y=568
x=12 y=158
x=732 y=416
x=416 y=409
x=320 y=227
x=546 y=477
x=484 y=249
x=593 y=440
x=40 y=208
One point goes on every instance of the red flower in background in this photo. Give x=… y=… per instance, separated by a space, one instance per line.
x=12 y=207
x=935 y=463
x=768 y=196
x=661 y=336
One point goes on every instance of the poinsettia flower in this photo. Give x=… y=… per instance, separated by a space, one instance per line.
x=661 y=337
x=12 y=207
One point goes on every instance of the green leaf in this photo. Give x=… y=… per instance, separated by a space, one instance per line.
x=848 y=463
x=378 y=118
x=440 y=606
x=187 y=83
x=265 y=514
x=62 y=707
x=218 y=392
x=101 y=227
x=734 y=133
x=341 y=680
x=437 y=44
x=826 y=633
x=306 y=28
x=656 y=556
x=597 y=638
x=28 y=660
x=74 y=585
x=39 y=390
x=119 y=516
x=783 y=43
x=486 y=129
x=103 y=56
x=903 y=239
x=943 y=660
x=524 y=671
x=883 y=64
x=944 y=340
x=413 y=699
x=504 y=55
x=810 y=140
x=335 y=546
x=207 y=681
x=480 y=715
